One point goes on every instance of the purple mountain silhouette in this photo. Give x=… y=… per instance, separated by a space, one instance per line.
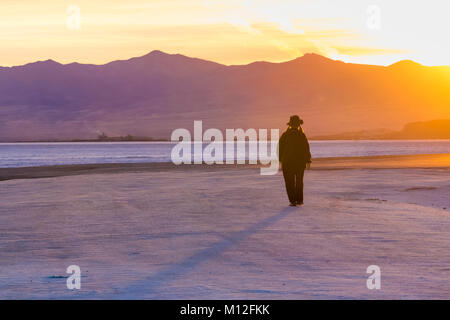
x=156 y=93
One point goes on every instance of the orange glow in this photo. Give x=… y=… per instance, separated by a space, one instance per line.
x=229 y=32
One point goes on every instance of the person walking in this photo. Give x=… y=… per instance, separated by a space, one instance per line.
x=295 y=157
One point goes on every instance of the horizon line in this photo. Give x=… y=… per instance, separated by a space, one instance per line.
x=156 y=51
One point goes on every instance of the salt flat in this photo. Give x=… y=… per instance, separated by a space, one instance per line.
x=227 y=233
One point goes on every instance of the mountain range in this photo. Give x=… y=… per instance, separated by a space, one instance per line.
x=154 y=94
x=434 y=129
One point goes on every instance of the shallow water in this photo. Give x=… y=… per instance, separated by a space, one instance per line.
x=41 y=154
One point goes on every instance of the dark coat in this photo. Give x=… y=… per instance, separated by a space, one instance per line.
x=294 y=149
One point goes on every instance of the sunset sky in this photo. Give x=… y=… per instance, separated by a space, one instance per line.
x=226 y=31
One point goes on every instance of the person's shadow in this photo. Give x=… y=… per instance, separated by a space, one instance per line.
x=172 y=272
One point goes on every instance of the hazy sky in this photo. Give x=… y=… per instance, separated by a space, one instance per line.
x=225 y=31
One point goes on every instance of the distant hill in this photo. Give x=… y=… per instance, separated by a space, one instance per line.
x=156 y=93
x=435 y=129
x=355 y=135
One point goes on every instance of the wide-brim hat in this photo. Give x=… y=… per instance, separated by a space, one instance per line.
x=295 y=121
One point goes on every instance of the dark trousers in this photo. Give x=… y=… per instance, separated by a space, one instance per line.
x=293 y=177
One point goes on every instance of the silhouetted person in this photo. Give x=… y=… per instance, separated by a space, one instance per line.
x=294 y=155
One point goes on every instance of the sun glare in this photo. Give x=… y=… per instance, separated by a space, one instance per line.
x=229 y=32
